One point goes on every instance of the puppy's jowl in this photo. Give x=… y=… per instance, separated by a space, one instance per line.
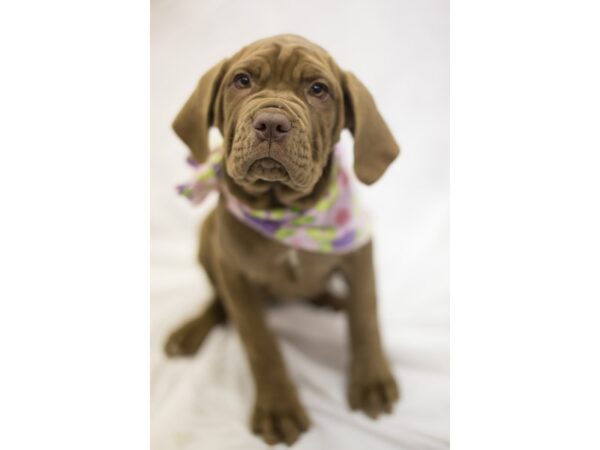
x=286 y=219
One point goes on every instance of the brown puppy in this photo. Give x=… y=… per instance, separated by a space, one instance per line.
x=281 y=104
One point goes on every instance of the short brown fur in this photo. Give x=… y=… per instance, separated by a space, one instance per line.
x=246 y=268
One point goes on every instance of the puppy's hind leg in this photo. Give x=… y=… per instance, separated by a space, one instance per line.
x=187 y=339
x=329 y=301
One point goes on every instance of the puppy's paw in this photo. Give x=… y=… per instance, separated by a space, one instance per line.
x=279 y=417
x=372 y=389
x=186 y=340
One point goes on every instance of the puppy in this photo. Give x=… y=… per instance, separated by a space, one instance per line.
x=281 y=104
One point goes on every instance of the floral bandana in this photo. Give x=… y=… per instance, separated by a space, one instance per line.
x=336 y=224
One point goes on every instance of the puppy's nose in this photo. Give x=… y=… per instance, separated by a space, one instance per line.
x=271 y=125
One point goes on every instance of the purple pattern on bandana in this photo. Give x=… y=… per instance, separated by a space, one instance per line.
x=192 y=162
x=336 y=224
x=270 y=226
x=218 y=169
x=345 y=240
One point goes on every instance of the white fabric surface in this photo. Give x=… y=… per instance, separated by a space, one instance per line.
x=400 y=51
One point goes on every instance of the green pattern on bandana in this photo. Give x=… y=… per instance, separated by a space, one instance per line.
x=336 y=224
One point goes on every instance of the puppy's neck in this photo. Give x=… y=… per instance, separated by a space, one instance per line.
x=279 y=196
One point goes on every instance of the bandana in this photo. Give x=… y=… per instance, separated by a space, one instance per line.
x=336 y=224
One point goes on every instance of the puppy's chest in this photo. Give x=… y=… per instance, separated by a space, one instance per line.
x=284 y=270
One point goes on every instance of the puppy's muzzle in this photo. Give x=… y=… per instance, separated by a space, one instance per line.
x=272 y=126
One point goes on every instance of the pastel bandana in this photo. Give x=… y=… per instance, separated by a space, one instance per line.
x=336 y=224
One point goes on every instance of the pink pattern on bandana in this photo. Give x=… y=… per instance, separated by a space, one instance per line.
x=336 y=224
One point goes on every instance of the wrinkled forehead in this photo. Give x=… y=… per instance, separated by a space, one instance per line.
x=285 y=61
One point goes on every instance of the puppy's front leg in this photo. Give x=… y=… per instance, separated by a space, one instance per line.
x=278 y=414
x=372 y=387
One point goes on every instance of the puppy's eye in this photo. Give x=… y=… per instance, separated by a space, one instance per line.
x=242 y=81
x=318 y=90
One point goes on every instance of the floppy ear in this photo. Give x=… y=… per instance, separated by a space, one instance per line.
x=374 y=145
x=198 y=114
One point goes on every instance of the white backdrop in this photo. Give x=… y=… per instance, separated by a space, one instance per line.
x=400 y=51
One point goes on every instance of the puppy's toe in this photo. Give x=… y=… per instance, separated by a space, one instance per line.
x=280 y=426
x=289 y=430
x=173 y=345
x=185 y=342
x=374 y=396
x=266 y=429
x=373 y=404
x=390 y=390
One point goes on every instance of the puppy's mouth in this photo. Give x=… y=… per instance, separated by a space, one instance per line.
x=267 y=169
x=270 y=148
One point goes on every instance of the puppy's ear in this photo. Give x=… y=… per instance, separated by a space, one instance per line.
x=374 y=145
x=198 y=114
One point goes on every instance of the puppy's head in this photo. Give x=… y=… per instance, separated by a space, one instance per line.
x=281 y=104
